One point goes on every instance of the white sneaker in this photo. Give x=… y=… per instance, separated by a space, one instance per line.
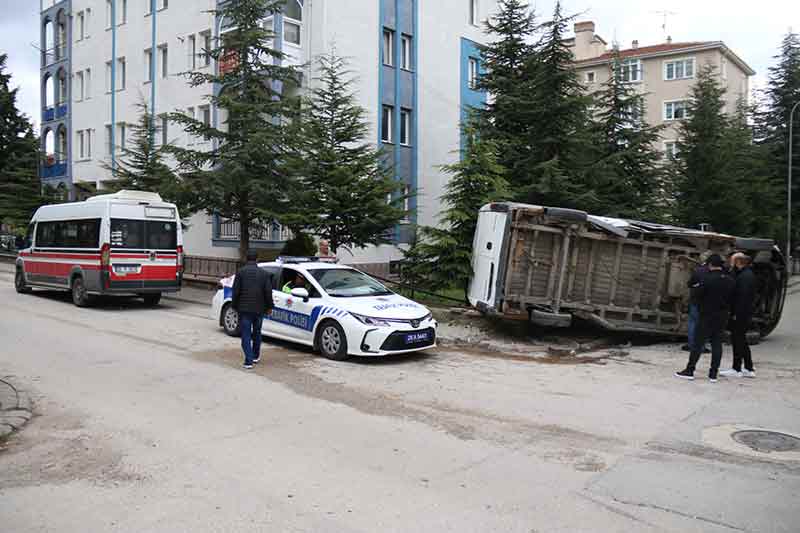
x=730 y=373
x=748 y=373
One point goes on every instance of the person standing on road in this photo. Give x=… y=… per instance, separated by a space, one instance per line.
x=252 y=298
x=694 y=307
x=714 y=296
x=743 y=298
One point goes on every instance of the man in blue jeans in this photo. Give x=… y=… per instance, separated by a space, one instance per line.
x=252 y=297
x=694 y=307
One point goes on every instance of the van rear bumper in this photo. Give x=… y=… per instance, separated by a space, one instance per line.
x=142 y=287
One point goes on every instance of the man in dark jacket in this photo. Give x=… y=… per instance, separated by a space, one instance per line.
x=714 y=294
x=743 y=298
x=694 y=306
x=252 y=297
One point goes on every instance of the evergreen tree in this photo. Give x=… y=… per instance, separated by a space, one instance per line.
x=243 y=176
x=141 y=166
x=20 y=189
x=344 y=187
x=508 y=64
x=442 y=256
x=782 y=93
x=626 y=167
x=707 y=191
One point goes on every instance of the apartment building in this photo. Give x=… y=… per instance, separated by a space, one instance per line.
x=665 y=73
x=415 y=62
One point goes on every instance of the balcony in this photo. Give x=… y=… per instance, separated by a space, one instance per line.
x=53 y=170
x=61 y=111
x=49 y=114
x=52 y=56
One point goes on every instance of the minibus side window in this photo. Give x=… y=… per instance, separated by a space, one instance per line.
x=46 y=234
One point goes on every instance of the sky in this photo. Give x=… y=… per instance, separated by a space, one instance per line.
x=753 y=30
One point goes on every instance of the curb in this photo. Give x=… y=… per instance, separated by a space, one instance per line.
x=15 y=407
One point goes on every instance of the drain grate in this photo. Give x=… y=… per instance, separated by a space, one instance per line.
x=767 y=441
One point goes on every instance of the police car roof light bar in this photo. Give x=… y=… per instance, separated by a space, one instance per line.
x=288 y=259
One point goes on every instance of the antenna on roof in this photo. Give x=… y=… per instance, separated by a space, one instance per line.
x=665 y=15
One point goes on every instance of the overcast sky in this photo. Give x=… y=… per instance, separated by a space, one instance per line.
x=751 y=29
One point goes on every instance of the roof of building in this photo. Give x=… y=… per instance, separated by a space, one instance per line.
x=668 y=49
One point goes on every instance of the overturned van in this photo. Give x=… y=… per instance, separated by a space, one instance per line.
x=550 y=265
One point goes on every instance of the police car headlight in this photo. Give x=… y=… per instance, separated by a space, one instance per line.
x=427 y=317
x=369 y=321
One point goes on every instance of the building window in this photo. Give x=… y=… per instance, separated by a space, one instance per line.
x=109 y=13
x=204 y=114
x=206 y=52
x=386 y=123
x=189 y=137
x=109 y=150
x=121 y=137
x=163 y=4
x=473 y=12
x=631 y=70
x=164 y=130
x=81 y=26
x=406 y=203
x=670 y=149
x=88 y=144
x=676 y=110
x=148 y=65
x=122 y=74
x=108 y=76
x=122 y=12
x=679 y=70
x=81 y=146
x=292 y=22
x=473 y=73
x=405 y=127
x=81 y=92
x=191 y=52
x=163 y=53
x=87 y=80
x=388 y=47
x=405 y=52
x=590 y=77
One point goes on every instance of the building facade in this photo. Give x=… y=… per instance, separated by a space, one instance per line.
x=415 y=63
x=665 y=73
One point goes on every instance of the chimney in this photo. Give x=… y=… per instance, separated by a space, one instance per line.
x=584 y=37
x=635 y=44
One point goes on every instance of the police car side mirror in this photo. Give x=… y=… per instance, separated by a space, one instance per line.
x=300 y=293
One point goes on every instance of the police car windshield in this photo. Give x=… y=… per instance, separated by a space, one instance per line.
x=348 y=283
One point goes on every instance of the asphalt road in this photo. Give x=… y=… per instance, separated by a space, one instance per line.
x=145 y=422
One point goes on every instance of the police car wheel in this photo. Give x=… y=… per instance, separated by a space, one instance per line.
x=19 y=282
x=230 y=321
x=80 y=296
x=331 y=341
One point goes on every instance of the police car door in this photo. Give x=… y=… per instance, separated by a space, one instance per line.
x=292 y=317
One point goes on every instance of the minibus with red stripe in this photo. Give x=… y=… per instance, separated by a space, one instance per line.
x=126 y=243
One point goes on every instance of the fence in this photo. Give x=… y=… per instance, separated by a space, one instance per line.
x=209 y=269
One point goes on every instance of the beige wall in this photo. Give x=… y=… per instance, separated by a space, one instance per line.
x=658 y=90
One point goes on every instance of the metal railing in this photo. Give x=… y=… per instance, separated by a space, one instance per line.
x=269 y=231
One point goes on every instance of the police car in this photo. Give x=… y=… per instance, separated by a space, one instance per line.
x=337 y=309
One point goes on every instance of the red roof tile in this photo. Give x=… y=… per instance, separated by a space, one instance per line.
x=646 y=50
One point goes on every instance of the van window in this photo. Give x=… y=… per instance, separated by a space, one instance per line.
x=69 y=234
x=128 y=234
x=46 y=234
x=162 y=235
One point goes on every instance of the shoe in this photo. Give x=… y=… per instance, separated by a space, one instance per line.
x=686 y=348
x=685 y=374
x=712 y=379
x=247 y=366
x=748 y=373
x=730 y=373
x=712 y=376
x=256 y=360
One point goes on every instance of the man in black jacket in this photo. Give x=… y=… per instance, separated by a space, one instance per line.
x=743 y=297
x=714 y=294
x=252 y=297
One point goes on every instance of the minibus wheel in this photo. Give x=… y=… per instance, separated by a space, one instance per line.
x=152 y=300
x=80 y=296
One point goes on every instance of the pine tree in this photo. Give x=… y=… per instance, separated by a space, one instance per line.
x=557 y=119
x=20 y=190
x=244 y=175
x=345 y=184
x=141 y=166
x=508 y=64
x=626 y=168
x=782 y=93
x=442 y=256
x=707 y=191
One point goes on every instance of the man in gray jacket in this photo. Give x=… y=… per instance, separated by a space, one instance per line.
x=252 y=297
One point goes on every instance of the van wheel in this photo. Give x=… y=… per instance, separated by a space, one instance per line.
x=331 y=341
x=230 y=321
x=19 y=282
x=152 y=300
x=80 y=296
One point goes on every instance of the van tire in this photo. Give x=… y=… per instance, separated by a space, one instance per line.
x=152 y=300
x=331 y=341
x=80 y=296
x=19 y=282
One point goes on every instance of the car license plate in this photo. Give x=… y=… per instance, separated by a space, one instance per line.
x=413 y=338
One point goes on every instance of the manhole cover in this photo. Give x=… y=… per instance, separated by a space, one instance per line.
x=767 y=441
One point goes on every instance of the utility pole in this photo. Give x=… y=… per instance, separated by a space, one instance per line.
x=789 y=192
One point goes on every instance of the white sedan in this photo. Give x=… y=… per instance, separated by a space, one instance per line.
x=337 y=309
